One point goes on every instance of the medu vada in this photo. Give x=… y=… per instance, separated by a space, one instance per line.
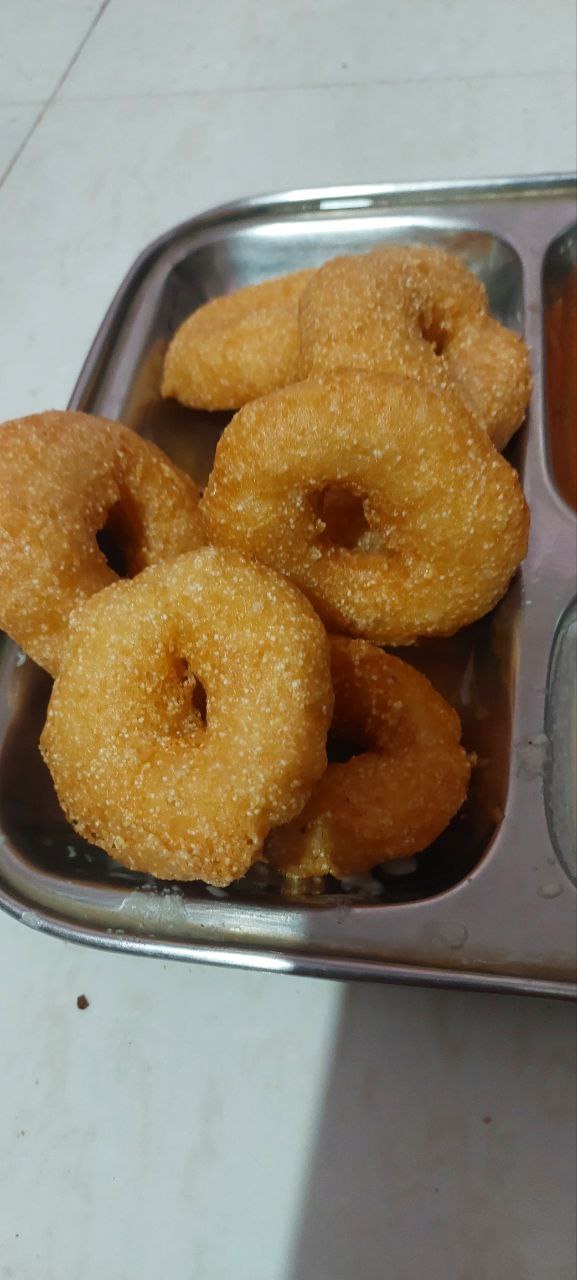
x=238 y=346
x=407 y=779
x=418 y=312
x=190 y=715
x=82 y=501
x=384 y=501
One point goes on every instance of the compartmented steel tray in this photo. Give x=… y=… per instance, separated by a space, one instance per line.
x=492 y=905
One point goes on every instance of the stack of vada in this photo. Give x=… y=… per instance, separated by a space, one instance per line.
x=205 y=647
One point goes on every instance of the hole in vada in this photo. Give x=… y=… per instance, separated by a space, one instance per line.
x=120 y=539
x=340 y=749
x=199 y=699
x=194 y=687
x=342 y=513
x=432 y=331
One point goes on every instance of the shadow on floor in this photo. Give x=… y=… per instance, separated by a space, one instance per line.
x=446 y=1143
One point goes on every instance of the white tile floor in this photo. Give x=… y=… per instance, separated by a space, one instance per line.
x=99 y=178
x=198 y=47
x=17 y=119
x=38 y=42
x=209 y=1124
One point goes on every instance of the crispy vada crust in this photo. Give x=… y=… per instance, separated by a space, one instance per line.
x=399 y=794
x=136 y=769
x=238 y=346
x=445 y=521
x=63 y=477
x=417 y=312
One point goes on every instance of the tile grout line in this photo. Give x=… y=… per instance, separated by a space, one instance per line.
x=274 y=88
x=224 y=91
x=56 y=90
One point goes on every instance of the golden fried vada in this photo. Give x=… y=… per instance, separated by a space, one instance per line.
x=189 y=715
x=418 y=312
x=384 y=501
x=237 y=347
x=79 y=495
x=392 y=798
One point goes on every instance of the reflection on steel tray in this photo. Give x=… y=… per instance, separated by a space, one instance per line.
x=492 y=905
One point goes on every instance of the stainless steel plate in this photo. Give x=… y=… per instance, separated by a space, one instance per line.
x=492 y=905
